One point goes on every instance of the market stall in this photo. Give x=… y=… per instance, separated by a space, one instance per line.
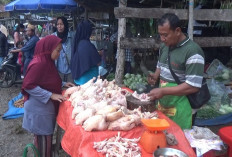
x=77 y=142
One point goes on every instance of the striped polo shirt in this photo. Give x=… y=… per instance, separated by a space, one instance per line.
x=187 y=62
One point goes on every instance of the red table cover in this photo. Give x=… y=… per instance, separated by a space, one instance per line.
x=79 y=143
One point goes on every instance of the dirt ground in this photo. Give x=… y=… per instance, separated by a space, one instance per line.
x=13 y=138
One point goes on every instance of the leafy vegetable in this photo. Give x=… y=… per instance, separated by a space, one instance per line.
x=110 y=77
x=207 y=112
x=135 y=81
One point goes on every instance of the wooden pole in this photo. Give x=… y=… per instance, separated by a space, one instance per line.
x=190 y=23
x=120 y=52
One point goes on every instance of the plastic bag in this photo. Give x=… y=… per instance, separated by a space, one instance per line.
x=219 y=95
x=219 y=103
x=219 y=72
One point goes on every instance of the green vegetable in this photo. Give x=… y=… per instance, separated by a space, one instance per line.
x=224 y=109
x=127 y=75
x=110 y=77
x=133 y=80
x=207 y=112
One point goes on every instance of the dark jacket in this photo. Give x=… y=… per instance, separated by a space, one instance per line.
x=3 y=45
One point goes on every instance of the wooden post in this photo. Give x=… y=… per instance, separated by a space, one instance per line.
x=190 y=23
x=120 y=52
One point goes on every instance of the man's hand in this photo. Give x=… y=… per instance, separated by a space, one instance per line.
x=151 y=78
x=69 y=84
x=156 y=93
x=58 y=97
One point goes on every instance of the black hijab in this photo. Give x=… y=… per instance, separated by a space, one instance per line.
x=63 y=35
x=84 y=54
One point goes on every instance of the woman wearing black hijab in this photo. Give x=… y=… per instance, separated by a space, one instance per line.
x=64 y=60
x=85 y=57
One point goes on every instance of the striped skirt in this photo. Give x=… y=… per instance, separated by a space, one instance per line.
x=44 y=145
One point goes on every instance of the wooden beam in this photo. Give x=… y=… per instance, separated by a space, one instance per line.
x=139 y=43
x=148 y=12
x=213 y=15
x=4 y=14
x=145 y=43
x=213 y=41
x=156 y=13
x=119 y=74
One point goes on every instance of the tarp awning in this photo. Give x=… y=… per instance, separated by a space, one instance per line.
x=41 y=5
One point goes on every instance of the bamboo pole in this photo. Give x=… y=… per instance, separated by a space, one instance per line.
x=190 y=22
x=120 y=52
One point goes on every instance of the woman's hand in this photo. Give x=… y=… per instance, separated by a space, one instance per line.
x=58 y=97
x=14 y=51
x=69 y=84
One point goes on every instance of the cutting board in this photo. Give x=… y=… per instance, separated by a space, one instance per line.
x=146 y=106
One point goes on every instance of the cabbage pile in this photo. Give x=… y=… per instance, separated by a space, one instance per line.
x=135 y=81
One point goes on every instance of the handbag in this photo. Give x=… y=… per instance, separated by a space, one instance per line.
x=198 y=99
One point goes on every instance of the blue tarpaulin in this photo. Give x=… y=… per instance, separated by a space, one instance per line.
x=41 y=5
x=224 y=119
x=13 y=112
x=10 y=6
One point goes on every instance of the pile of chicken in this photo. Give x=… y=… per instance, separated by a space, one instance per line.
x=102 y=105
x=118 y=146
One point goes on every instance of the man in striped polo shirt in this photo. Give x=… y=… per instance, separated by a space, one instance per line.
x=187 y=62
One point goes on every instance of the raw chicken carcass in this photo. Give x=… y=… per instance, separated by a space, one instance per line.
x=71 y=90
x=108 y=109
x=149 y=115
x=77 y=110
x=124 y=123
x=89 y=102
x=114 y=115
x=99 y=105
x=136 y=111
x=135 y=118
x=96 y=122
x=91 y=91
x=77 y=101
x=121 y=100
x=141 y=97
x=77 y=95
x=81 y=117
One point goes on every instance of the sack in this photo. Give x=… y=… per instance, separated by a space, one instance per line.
x=200 y=98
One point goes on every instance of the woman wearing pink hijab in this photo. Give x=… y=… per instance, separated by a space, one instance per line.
x=42 y=92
